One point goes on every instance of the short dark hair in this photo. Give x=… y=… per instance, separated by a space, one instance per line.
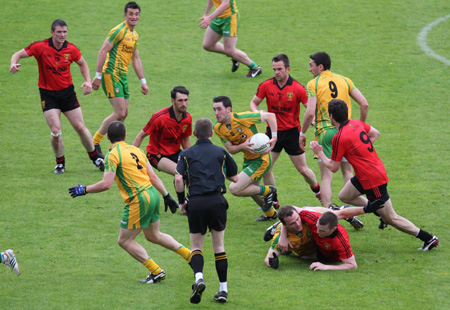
x=322 y=58
x=285 y=212
x=178 y=89
x=203 y=128
x=58 y=22
x=131 y=5
x=328 y=218
x=116 y=131
x=225 y=100
x=339 y=109
x=283 y=58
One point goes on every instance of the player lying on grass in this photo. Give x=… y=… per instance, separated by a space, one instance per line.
x=314 y=233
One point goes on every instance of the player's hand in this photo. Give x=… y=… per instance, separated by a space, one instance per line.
x=144 y=89
x=272 y=143
x=170 y=203
x=317 y=266
x=205 y=21
x=14 y=68
x=273 y=262
x=302 y=143
x=96 y=83
x=315 y=147
x=76 y=191
x=247 y=146
x=284 y=243
x=183 y=208
x=373 y=206
x=87 y=88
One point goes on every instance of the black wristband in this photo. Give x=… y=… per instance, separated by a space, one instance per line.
x=181 y=197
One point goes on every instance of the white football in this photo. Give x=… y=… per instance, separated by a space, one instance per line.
x=259 y=141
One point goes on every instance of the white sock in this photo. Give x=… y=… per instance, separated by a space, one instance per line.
x=223 y=287
x=198 y=276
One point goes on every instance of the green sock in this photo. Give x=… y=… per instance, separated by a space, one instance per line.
x=253 y=65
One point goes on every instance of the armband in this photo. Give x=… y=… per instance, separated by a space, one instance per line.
x=98 y=75
x=302 y=134
x=143 y=81
x=274 y=134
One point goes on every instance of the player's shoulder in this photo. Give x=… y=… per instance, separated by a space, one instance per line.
x=161 y=113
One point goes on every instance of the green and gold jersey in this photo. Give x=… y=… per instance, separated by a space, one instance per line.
x=326 y=87
x=124 y=43
x=130 y=166
x=242 y=126
x=232 y=8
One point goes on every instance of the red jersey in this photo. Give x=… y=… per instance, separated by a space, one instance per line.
x=335 y=247
x=54 y=65
x=353 y=143
x=166 y=132
x=284 y=102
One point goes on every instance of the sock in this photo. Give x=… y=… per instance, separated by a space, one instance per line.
x=253 y=65
x=270 y=212
x=93 y=155
x=221 y=266
x=316 y=189
x=423 y=235
x=198 y=276
x=197 y=261
x=152 y=266
x=98 y=137
x=223 y=287
x=264 y=190
x=184 y=252
x=61 y=160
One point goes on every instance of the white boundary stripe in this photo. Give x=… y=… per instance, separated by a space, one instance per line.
x=422 y=40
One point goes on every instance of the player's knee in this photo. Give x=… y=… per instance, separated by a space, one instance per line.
x=56 y=133
x=229 y=51
x=234 y=189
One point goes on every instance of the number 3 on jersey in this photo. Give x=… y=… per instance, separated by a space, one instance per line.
x=139 y=166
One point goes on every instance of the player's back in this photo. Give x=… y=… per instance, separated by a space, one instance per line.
x=130 y=166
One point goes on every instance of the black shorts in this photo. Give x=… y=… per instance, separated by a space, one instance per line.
x=205 y=211
x=287 y=139
x=373 y=193
x=64 y=100
x=154 y=159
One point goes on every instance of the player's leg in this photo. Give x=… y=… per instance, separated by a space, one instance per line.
x=351 y=195
x=389 y=216
x=211 y=41
x=53 y=119
x=120 y=107
x=168 y=166
x=326 y=177
x=245 y=186
x=269 y=178
x=229 y=44
x=299 y=162
x=197 y=263
x=127 y=242
x=346 y=170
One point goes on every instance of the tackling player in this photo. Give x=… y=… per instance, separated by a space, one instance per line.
x=354 y=140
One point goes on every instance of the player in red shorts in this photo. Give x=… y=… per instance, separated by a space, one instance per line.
x=354 y=140
x=54 y=57
x=283 y=97
x=168 y=129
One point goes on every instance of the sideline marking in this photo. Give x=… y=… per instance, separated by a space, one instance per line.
x=422 y=40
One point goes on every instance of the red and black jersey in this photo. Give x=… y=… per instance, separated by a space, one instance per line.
x=335 y=247
x=284 y=102
x=166 y=132
x=54 y=65
x=353 y=143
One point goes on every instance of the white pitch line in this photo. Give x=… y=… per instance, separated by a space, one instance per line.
x=422 y=40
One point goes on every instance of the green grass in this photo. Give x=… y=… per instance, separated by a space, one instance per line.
x=67 y=248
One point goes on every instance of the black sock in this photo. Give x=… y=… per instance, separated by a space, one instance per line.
x=221 y=266
x=424 y=236
x=197 y=261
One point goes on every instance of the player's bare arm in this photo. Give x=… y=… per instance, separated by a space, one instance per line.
x=363 y=104
x=329 y=163
x=308 y=120
x=139 y=138
x=84 y=68
x=137 y=65
x=347 y=264
x=255 y=103
x=101 y=58
x=271 y=119
x=15 y=60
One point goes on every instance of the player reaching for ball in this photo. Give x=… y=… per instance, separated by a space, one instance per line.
x=139 y=186
x=283 y=97
x=235 y=131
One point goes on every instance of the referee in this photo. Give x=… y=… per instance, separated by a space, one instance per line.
x=202 y=168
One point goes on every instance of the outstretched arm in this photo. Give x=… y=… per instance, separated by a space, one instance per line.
x=15 y=60
x=347 y=264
